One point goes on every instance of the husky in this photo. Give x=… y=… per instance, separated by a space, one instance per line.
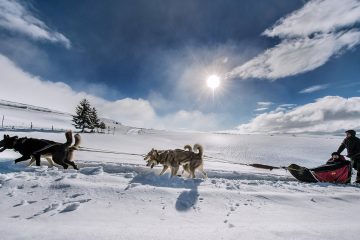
x=60 y=153
x=173 y=159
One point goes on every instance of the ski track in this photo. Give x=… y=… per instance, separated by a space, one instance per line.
x=127 y=199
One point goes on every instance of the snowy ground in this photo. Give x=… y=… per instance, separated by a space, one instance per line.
x=117 y=197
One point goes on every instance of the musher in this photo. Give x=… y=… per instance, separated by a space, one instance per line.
x=352 y=145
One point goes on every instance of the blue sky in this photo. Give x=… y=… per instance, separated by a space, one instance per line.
x=161 y=52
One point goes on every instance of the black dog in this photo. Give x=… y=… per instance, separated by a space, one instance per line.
x=61 y=153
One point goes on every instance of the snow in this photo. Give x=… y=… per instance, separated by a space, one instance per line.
x=117 y=197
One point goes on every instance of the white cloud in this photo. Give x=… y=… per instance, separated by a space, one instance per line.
x=19 y=86
x=329 y=114
x=261 y=109
x=284 y=107
x=287 y=105
x=316 y=16
x=18 y=18
x=294 y=56
x=309 y=38
x=314 y=88
x=264 y=104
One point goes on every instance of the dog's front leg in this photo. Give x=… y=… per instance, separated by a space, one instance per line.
x=164 y=170
x=37 y=159
x=72 y=164
x=22 y=158
x=174 y=171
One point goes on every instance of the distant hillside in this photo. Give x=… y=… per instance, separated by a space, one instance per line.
x=20 y=116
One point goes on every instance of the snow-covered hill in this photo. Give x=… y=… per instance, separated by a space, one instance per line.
x=24 y=117
x=118 y=197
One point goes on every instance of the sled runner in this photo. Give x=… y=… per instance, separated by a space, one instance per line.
x=337 y=172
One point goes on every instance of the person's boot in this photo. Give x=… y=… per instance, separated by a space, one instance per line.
x=357 y=179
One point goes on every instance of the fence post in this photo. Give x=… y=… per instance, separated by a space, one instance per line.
x=31 y=126
x=2 y=122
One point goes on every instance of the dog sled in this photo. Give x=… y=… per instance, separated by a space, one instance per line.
x=336 y=172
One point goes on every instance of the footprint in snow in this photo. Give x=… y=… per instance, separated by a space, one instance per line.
x=71 y=207
x=59 y=179
x=50 y=208
x=59 y=186
x=92 y=170
x=78 y=201
x=132 y=185
x=23 y=202
x=76 y=195
x=11 y=194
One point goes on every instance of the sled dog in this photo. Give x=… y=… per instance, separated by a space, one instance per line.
x=60 y=153
x=173 y=159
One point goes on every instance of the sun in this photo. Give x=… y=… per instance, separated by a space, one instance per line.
x=213 y=81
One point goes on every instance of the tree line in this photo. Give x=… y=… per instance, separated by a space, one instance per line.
x=86 y=117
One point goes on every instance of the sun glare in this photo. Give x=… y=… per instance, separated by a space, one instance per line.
x=213 y=81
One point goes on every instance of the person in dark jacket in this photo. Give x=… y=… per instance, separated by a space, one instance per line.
x=352 y=145
x=336 y=157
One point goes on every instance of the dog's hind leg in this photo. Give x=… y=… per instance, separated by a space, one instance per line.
x=186 y=169
x=164 y=170
x=50 y=161
x=192 y=172
x=201 y=168
x=31 y=161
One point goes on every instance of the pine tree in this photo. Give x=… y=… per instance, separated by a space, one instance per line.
x=95 y=121
x=82 y=119
x=102 y=126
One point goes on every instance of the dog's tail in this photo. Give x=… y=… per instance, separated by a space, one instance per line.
x=69 y=138
x=74 y=147
x=188 y=147
x=77 y=142
x=199 y=149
